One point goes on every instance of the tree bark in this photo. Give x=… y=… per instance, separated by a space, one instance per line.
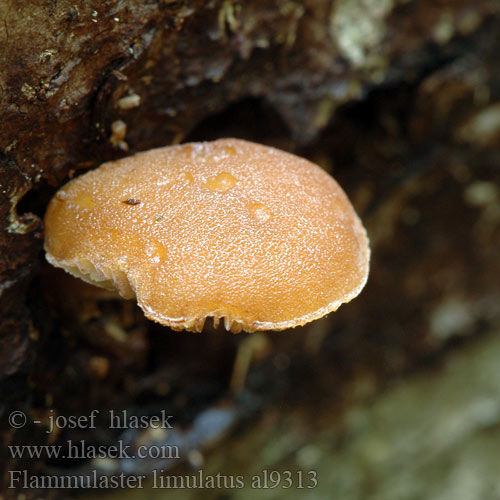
x=399 y=100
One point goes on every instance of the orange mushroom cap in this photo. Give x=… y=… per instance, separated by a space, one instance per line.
x=228 y=229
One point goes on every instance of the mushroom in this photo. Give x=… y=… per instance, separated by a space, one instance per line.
x=230 y=229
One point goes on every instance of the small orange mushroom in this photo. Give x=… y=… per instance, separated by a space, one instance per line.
x=232 y=230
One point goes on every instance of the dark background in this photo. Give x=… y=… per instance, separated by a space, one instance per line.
x=394 y=396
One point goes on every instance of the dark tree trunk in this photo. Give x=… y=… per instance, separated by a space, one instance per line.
x=401 y=102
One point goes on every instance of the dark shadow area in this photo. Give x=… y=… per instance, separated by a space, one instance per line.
x=252 y=119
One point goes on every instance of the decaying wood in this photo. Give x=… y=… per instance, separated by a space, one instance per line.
x=400 y=100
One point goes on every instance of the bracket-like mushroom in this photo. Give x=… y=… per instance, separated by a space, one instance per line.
x=228 y=229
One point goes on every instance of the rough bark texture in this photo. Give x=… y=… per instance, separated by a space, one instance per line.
x=401 y=102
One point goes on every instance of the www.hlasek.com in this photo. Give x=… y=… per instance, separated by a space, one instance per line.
x=266 y=479
x=82 y=450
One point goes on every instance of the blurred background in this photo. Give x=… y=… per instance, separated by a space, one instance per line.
x=394 y=396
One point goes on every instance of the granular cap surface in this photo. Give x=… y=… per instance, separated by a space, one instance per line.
x=237 y=231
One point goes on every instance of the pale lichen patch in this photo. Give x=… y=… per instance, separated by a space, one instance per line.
x=20 y=224
x=358 y=27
